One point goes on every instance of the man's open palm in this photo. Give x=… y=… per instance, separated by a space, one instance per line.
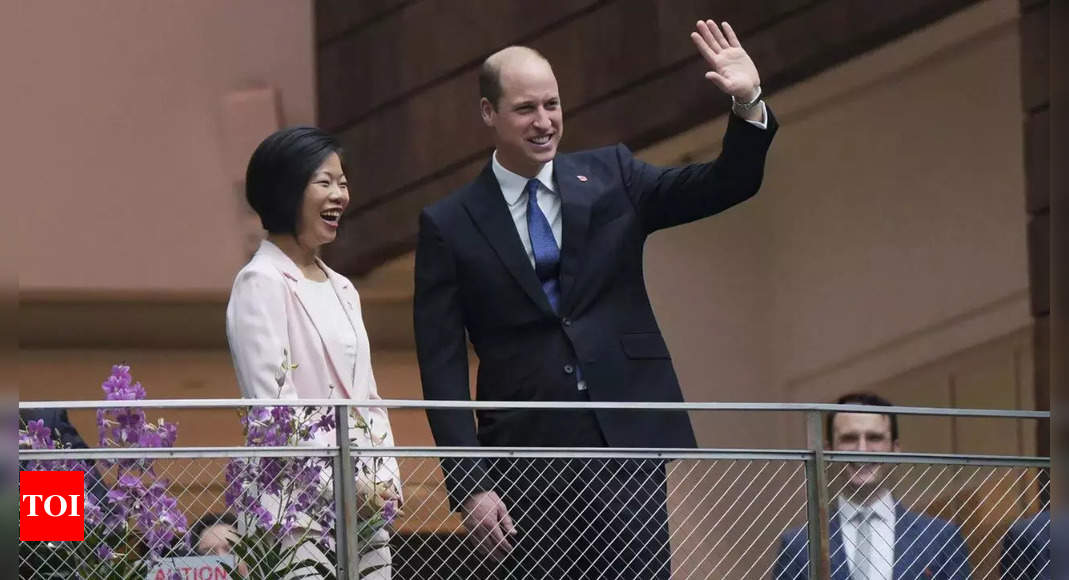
x=732 y=69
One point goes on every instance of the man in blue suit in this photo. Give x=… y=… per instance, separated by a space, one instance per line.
x=870 y=535
x=538 y=263
x=1026 y=549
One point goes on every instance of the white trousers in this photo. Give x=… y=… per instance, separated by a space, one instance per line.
x=372 y=558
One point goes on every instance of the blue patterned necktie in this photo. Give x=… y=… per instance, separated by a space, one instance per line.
x=544 y=247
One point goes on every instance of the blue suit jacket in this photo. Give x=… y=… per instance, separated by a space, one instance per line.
x=1026 y=549
x=925 y=548
x=473 y=281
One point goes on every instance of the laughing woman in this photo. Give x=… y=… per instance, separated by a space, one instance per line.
x=294 y=325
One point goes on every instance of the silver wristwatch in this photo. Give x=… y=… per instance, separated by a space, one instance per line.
x=741 y=108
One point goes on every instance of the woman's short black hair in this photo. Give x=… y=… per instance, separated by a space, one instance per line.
x=280 y=169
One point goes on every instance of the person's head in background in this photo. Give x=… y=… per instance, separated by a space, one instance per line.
x=519 y=100
x=215 y=535
x=296 y=183
x=874 y=432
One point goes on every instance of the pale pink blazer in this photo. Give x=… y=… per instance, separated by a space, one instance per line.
x=271 y=328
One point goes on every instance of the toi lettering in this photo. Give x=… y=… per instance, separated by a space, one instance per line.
x=34 y=499
x=51 y=506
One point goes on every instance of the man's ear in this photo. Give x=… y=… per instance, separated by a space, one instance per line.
x=486 y=110
x=896 y=447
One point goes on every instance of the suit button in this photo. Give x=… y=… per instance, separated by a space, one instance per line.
x=567 y=321
x=569 y=369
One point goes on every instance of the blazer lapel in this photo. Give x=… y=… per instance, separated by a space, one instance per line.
x=840 y=570
x=300 y=288
x=318 y=313
x=905 y=541
x=343 y=288
x=576 y=198
x=488 y=210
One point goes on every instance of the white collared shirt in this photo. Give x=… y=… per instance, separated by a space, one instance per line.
x=883 y=523
x=512 y=187
x=763 y=123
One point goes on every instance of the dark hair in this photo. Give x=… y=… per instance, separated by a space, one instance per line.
x=206 y=521
x=862 y=398
x=280 y=169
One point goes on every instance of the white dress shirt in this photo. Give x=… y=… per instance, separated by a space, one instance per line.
x=513 y=186
x=763 y=123
x=881 y=565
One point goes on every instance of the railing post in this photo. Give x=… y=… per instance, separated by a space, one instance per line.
x=817 y=498
x=347 y=550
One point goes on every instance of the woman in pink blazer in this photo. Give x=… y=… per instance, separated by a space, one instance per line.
x=294 y=325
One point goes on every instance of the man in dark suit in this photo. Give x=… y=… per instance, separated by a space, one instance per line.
x=871 y=536
x=539 y=263
x=1026 y=549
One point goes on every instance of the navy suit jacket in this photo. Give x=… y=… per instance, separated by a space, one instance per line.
x=474 y=281
x=1026 y=549
x=925 y=548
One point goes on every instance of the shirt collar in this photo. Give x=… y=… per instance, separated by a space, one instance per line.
x=290 y=269
x=883 y=507
x=513 y=184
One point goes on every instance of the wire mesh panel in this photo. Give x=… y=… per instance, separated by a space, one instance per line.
x=291 y=503
x=946 y=519
x=730 y=514
x=595 y=517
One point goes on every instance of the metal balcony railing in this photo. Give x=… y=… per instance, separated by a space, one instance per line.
x=283 y=512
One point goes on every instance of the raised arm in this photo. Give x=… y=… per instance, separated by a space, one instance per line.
x=669 y=196
x=730 y=67
x=665 y=197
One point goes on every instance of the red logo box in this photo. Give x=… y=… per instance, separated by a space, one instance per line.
x=51 y=506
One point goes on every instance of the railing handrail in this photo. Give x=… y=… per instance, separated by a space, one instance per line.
x=318 y=450
x=556 y=405
x=813 y=462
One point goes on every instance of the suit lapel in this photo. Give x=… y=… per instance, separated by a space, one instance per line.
x=318 y=313
x=343 y=289
x=487 y=208
x=905 y=543
x=299 y=287
x=840 y=570
x=576 y=197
